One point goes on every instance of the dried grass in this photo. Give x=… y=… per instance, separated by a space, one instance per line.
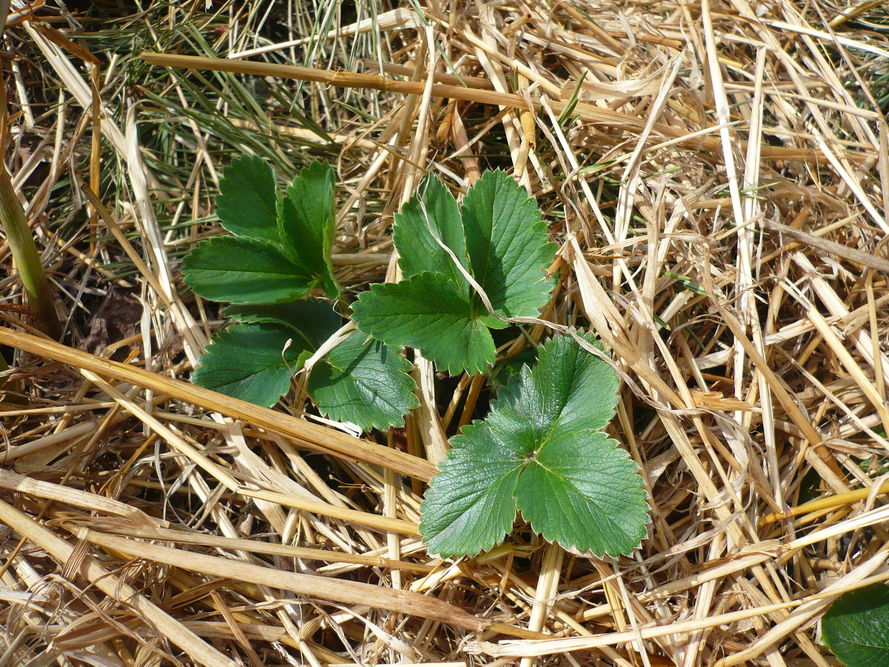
x=718 y=179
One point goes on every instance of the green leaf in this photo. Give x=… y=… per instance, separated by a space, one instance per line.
x=470 y=505
x=427 y=312
x=507 y=245
x=856 y=627
x=497 y=238
x=307 y=224
x=280 y=251
x=583 y=491
x=242 y=270
x=365 y=382
x=540 y=451
x=432 y=215
x=313 y=322
x=247 y=202
x=570 y=386
x=250 y=362
x=361 y=380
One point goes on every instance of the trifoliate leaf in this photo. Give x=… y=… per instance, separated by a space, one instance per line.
x=247 y=202
x=427 y=312
x=363 y=381
x=507 y=245
x=540 y=451
x=856 y=627
x=250 y=362
x=281 y=247
x=307 y=223
x=242 y=270
x=312 y=322
x=497 y=238
x=280 y=251
x=431 y=215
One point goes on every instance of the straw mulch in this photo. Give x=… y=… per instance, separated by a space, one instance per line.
x=717 y=177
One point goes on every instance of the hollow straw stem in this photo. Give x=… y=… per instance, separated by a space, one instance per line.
x=27 y=260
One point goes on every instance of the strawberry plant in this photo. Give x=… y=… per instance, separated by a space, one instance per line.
x=466 y=269
x=279 y=252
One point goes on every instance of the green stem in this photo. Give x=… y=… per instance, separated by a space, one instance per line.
x=27 y=260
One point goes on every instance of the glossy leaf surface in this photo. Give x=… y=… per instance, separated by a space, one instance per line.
x=541 y=451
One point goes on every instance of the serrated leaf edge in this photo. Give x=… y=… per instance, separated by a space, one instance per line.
x=222 y=338
x=479 y=424
x=547 y=283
